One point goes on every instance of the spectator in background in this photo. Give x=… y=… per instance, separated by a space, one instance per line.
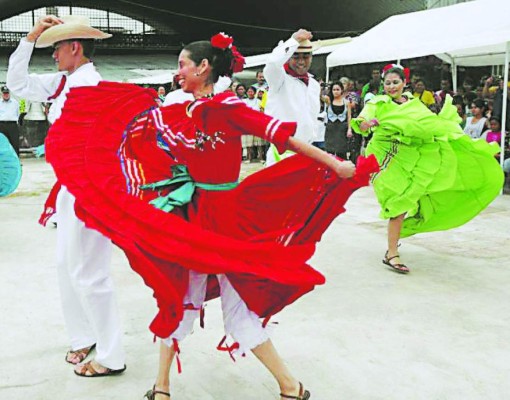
x=468 y=99
x=376 y=77
x=262 y=96
x=261 y=81
x=233 y=86
x=338 y=129
x=373 y=90
x=415 y=77
x=458 y=102
x=475 y=124
x=321 y=123
x=420 y=92
x=9 y=116
x=479 y=92
x=498 y=104
x=241 y=91
x=494 y=133
x=248 y=141
x=468 y=84
x=446 y=88
x=162 y=93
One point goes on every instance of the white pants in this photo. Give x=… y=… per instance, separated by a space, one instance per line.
x=239 y=322
x=86 y=288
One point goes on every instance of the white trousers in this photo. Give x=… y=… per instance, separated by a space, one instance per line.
x=243 y=325
x=86 y=288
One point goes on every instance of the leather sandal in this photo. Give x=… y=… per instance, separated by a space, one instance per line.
x=81 y=354
x=88 y=371
x=397 y=267
x=151 y=394
x=303 y=394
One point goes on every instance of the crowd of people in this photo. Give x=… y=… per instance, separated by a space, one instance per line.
x=173 y=162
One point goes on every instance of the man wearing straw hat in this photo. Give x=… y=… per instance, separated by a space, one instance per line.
x=293 y=95
x=83 y=255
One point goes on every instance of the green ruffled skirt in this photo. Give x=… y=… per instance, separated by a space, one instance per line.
x=430 y=170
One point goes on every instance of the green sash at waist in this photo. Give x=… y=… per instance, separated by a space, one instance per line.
x=184 y=193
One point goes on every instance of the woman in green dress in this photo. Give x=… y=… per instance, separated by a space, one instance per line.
x=432 y=176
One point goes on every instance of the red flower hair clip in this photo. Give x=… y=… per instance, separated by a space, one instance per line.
x=407 y=71
x=237 y=60
x=222 y=41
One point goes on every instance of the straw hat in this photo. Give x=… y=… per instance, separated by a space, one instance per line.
x=73 y=27
x=307 y=46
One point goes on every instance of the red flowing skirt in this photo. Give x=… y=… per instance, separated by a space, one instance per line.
x=260 y=234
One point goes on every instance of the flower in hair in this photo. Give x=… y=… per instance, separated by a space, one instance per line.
x=407 y=71
x=237 y=60
x=222 y=41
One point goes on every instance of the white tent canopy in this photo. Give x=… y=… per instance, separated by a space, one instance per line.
x=452 y=32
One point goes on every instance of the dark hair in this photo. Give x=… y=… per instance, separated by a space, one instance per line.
x=469 y=81
x=241 y=85
x=395 y=70
x=330 y=94
x=89 y=47
x=260 y=71
x=457 y=99
x=480 y=103
x=470 y=97
x=373 y=85
x=219 y=59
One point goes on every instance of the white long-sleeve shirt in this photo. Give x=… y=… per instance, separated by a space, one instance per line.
x=42 y=87
x=288 y=98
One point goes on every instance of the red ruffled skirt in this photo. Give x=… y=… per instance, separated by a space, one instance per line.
x=260 y=234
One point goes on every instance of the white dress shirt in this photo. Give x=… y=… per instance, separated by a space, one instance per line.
x=41 y=87
x=9 y=110
x=288 y=98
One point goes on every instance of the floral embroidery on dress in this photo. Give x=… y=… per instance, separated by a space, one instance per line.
x=202 y=138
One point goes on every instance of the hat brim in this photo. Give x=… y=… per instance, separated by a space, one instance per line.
x=62 y=32
x=308 y=49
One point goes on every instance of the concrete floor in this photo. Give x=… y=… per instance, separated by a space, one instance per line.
x=370 y=334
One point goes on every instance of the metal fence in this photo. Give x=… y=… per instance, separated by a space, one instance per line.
x=128 y=33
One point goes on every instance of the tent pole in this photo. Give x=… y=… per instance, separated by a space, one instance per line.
x=504 y=110
x=454 y=75
x=327 y=73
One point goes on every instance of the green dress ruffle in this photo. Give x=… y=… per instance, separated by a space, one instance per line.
x=430 y=169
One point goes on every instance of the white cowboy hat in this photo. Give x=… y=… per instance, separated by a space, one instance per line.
x=73 y=27
x=307 y=46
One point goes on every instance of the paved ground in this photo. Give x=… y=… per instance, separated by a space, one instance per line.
x=368 y=334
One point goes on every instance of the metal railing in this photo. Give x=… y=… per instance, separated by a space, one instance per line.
x=118 y=41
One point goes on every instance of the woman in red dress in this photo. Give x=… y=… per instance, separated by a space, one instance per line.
x=162 y=184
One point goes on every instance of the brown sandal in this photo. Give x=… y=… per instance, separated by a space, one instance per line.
x=151 y=394
x=92 y=373
x=397 y=267
x=303 y=394
x=82 y=354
